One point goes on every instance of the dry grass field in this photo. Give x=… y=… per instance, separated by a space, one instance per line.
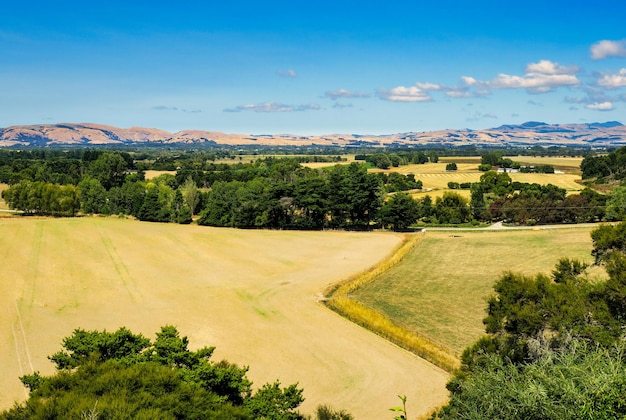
x=440 y=288
x=150 y=174
x=252 y=294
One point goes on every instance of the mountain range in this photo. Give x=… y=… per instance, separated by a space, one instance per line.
x=596 y=135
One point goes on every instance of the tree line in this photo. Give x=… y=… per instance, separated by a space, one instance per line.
x=386 y=160
x=605 y=168
x=280 y=193
x=269 y=193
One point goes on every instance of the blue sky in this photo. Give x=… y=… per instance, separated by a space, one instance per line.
x=312 y=67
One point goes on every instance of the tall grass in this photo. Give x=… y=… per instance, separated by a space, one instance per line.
x=338 y=299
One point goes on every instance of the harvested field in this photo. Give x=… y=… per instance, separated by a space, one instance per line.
x=252 y=294
x=441 y=287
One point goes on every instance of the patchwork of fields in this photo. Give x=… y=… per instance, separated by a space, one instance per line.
x=435 y=178
x=252 y=294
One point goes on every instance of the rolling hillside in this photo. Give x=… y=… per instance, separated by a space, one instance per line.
x=608 y=134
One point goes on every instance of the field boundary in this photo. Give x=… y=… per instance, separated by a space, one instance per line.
x=337 y=298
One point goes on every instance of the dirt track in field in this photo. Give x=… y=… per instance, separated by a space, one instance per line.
x=252 y=294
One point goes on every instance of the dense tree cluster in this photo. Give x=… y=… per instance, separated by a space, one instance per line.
x=394 y=181
x=496 y=197
x=345 y=196
x=52 y=166
x=494 y=158
x=386 y=160
x=555 y=345
x=122 y=375
x=611 y=166
x=43 y=198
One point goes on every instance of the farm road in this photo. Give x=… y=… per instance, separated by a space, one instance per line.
x=500 y=226
x=252 y=294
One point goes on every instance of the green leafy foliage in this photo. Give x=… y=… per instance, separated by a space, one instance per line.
x=122 y=375
x=272 y=402
x=452 y=208
x=402 y=410
x=394 y=181
x=608 y=239
x=616 y=204
x=109 y=169
x=343 y=196
x=605 y=168
x=325 y=412
x=43 y=198
x=399 y=212
x=578 y=381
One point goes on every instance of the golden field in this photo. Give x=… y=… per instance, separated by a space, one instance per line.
x=252 y=294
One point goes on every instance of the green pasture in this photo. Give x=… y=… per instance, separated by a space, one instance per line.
x=440 y=288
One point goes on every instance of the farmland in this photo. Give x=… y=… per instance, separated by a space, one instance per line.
x=250 y=293
x=254 y=293
x=435 y=178
x=440 y=289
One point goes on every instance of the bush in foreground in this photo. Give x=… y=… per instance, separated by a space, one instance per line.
x=122 y=375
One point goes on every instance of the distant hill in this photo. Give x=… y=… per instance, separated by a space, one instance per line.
x=607 y=134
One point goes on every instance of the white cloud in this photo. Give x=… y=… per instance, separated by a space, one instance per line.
x=548 y=67
x=540 y=77
x=470 y=81
x=600 y=106
x=459 y=92
x=429 y=86
x=613 y=80
x=606 y=48
x=274 y=107
x=533 y=82
x=343 y=93
x=405 y=94
x=288 y=73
